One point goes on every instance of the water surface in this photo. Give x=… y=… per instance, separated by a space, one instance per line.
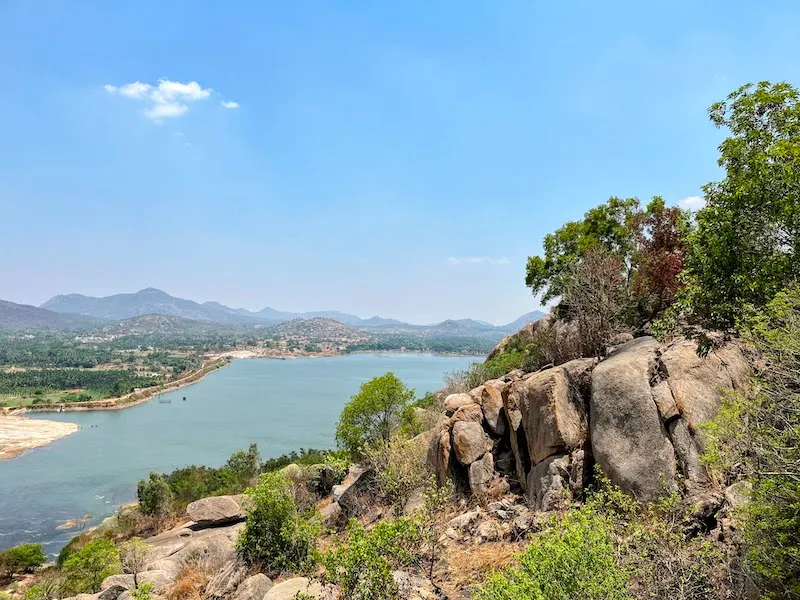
x=282 y=405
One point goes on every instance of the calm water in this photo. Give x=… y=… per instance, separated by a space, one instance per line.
x=282 y=405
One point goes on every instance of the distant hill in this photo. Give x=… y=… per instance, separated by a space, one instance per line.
x=515 y=326
x=165 y=324
x=318 y=328
x=151 y=301
x=24 y=316
x=145 y=302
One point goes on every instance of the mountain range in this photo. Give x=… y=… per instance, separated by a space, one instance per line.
x=72 y=311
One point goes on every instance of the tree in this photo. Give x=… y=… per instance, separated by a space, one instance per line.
x=155 y=496
x=745 y=248
x=659 y=257
x=24 y=558
x=133 y=557
x=373 y=413
x=595 y=299
x=608 y=226
x=244 y=466
x=87 y=568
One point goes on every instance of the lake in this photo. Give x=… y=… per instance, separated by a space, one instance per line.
x=282 y=405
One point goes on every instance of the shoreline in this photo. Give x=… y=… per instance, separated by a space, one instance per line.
x=20 y=434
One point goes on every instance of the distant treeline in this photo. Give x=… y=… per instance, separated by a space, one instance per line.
x=435 y=344
x=114 y=382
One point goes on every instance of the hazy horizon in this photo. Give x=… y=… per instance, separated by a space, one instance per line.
x=401 y=160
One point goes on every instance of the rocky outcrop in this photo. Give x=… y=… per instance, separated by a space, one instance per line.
x=289 y=588
x=635 y=414
x=253 y=588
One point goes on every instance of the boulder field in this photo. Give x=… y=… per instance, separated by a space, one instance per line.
x=635 y=414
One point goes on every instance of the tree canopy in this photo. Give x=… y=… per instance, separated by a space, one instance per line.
x=372 y=413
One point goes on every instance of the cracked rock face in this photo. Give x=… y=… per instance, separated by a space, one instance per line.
x=635 y=414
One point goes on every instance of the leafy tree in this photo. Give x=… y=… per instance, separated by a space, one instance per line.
x=745 y=248
x=608 y=226
x=244 y=466
x=155 y=496
x=373 y=413
x=87 y=568
x=276 y=536
x=24 y=558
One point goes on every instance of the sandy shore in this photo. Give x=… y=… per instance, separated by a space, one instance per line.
x=20 y=434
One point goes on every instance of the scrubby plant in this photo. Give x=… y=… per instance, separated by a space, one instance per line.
x=86 y=569
x=133 y=557
x=49 y=587
x=757 y=433
x=399 y=468
x=435 y=499
x=575 y=556
x=362 y=564
x=277 y=536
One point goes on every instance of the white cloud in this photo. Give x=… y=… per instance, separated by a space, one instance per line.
x=477 y=260
x=229 y=104
x=166 y=100
x=692 y=202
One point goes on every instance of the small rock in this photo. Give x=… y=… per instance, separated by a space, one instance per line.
x=330 y=515
x=738 y=495
x=413 y=587
x=455 y=401
x=287 y=589
x=465 y=520
x=112 y=593
x=415 y=502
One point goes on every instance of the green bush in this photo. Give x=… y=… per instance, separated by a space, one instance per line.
x=276 y=536
x=86 y=569
x=574 y=557
x=400 y=468
x=25 y=558
x=362 y=564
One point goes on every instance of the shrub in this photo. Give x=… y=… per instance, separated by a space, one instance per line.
x=399 y=468
x=573 y=557
x=155 y=497
x=86 y=569
x=71 y=548
x=49 y=587
x=133 y=556
x=373 y=413
x=362 y=564
x=25 y=558
x=276 y=537
x=758 y=430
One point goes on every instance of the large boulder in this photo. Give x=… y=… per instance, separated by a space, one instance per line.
x=357 y=494
x=696 y=382
x=480 y=475
x=440 y=450
x=160 y=581
x=470 y=442
x=629 y=441
x=226 y=580
x=553 y=413
x=287 y=590
x=217 y=510
x=455 y=401
x=490 y=398
x=253 y=588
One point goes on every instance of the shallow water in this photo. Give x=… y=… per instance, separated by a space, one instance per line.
x=282 y=405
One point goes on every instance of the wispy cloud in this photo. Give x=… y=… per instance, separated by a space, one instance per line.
x=477 y=260
x=229 y=104
x=164 y=100
x=692 y=202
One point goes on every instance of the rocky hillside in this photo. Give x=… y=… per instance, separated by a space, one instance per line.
x=23 y=316
x=318 y=328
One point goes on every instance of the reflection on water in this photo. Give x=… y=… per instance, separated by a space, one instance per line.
x=282 y=405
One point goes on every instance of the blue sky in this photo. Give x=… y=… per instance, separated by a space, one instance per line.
x=395 y=158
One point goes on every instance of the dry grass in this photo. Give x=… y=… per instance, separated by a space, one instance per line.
x=469 y=565
x=189 y=585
